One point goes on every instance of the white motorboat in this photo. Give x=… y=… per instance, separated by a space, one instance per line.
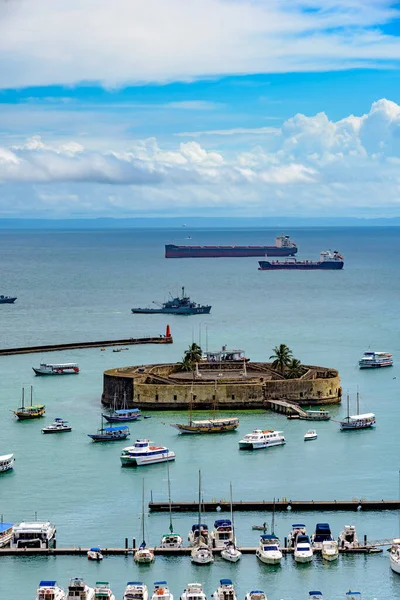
x=322 y=534
x=161 y=591
x=143 y=554
x=260 y=438
x=199 y=538
x=201 y=555
x=268 y=550
x=57 y=369
x=199 y=534
x=348 y=537
x=395 y=556
x=79 y=590
x=49 y=590
x=58 y=426
x=223 y=533
x=353 y=595
x=231 y=553
x=193 y=591
x=297 y=529
x=330 y=550
x=136 y=590
x=144 y=453
x=171 y=539
x=6 y=531
x=102 y=591
x=303 y=552
x=95 y=554
x=316 y=595
x=7 y=462
x=225 y=591
x=310 y=435
x=33 y=535
x=256 y=595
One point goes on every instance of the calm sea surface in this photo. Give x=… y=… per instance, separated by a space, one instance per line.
x=74 y=286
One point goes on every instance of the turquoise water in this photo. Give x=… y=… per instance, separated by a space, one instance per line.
x=81 y=285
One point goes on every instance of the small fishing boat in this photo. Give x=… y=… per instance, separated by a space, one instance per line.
x=171 y=539
x=143 y=554
x=56 y=369
x=7 y=299
x=6 y=462
x=330 y=550
x=31 y=411
x=110 y=434
x=123 y=414
x=268 y=550
x=263 y=527
x=200 y=539
x=297 y=529
x=6 y=531
x=259 y=438
x=193 y=591
x=310 y=435
x=79 y=590
x=322 y=534
x=161 y=591
x=95 y=554
x=348 y=537
x=354 y=422
x=256 y=595
x=136 y=590
x=315 y=595
x=49 y=590
x=225 y=591
x=58 y=426
x=143 y=453
x=303 y=552
x=102 y=591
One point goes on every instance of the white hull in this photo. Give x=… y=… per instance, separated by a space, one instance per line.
x=141 y=461
x=53 y=592
x=202 y=556
x=6 y=463
x=269 y=558
x=231 y=555
x=172 y=541
x=303 y=557
x=94 y=555
x=330 y=556
x=395 y=564
x=143 y=556
x=259 y=445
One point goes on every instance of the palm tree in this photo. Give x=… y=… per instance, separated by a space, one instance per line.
x=185 y=365
x=294 y=369
x=281 y=357
x=194 y=353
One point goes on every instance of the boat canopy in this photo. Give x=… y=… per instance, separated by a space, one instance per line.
x=322 y=528
x=119 y=428
x=222 y=523
x=270 y=548
x=360 y=417
x=268 y=536
x=303 y=539
x=6 y=526
x=96 y=549
x=46 y=583
x=123 y=411
x=197 y=525
x=256 y=592
x=6 y=457
x=160 y=583
x=315 y=593
x=225 y=581
x=298 y=525
x=60 y=365
x=135 y=583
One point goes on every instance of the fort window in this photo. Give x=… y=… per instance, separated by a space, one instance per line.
x=156 y=397
x=213 y=397
x=175 y=397
x=301 y=395
x=319 y=394
x=233 y=396
x=194 y=397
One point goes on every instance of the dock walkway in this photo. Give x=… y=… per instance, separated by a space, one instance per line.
x=282 y=504
x=286 y=408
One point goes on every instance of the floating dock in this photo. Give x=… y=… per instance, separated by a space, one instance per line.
x=282 y=504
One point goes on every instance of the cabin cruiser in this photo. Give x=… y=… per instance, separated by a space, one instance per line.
x=348 y=537
x=193 y=591
x=297 y=529
x=143 y=554
x=33 y=535
x=322 y=534
x=316 y=595
x=95 y=554
x=161 y=591
x=259 y=438
x=200 y=533
x=330 y=550
x=268 y=550
x=56 y=369
x=143 y=453
x=6 y=531
x=58 y=426
x=79 y=590
x=171 y=540
x=256 y=595
x=222 y=533
x=201 y=554
x=102 y=591
x=302 y=551
x=310 y=435
x=49 y=590
x=395 y=556
x=231 y=553
x=6 y=462
x=353 y=595
x=136 y=590
x=225 y=591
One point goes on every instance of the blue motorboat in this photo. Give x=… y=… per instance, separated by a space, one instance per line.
x=7 y=299
x=322 y=534
x=110 y=434
x=315 y=595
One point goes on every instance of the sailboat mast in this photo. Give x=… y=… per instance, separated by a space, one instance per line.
x=348 y=406
x=23 y=397
x=171 y=528
x=358 y=402
x=143 y=513
x=199 y=500
x=233 y=525
x=31 y=394
x=273 y=519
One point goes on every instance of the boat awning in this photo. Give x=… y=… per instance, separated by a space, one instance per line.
x=123 y=411
x=96 y=549
x=268 y=537
x=359 y=417
x=5 y=526
x=6 y=457
x=47 y=583
x=225 y=581
x=120 y=428
x=298 y=526
x=135 y=583
x=222 y=523
x=197 y=525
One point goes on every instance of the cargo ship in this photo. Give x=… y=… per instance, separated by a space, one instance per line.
x=328 y=261
x=283 y=247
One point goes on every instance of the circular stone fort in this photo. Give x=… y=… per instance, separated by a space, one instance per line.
x=224 y=379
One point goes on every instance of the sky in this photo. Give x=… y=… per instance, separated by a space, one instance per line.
x=212 y=108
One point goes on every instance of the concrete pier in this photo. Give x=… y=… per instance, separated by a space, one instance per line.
x=283 y=504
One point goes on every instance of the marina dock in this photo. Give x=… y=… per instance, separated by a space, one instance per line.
x=282 y=504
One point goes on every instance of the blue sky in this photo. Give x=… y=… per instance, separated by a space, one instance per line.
x=236 y=107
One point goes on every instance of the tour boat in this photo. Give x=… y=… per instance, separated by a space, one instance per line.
x=310 y=435
x=49 y=590
x=143 y=453
x=268 y=550
x=352 y=422
x=95 y=554
x=225 y=591
x=123 y=414
x=330 y=550
x=316 y=595
x=375 y=360
x=302 y=551
x=256 y=595
x=200 y=539
x=32 y=411
x=317 y=415
x=136 y=590
x=79 y=590
x=348 y=537
x=33 y=535
x=110 y=434
x=102 y=591
x=395 y=556
x=193 y=591
x=56 y=369
x=143 y=554
x=58 y=426
x=161 y=591
x=6 y=531
x=221 y=425
x=297 y=529
x=259 y=438
x=6 y=462
x=322 y=534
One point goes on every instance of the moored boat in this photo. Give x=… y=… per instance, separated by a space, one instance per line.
x=283 y=247
x=297 y=529
x=303 y=552
x=322 y=534
x=353 y=595
x=222 y=533
x=7 y=299
x=79 y=590
x=144 y=453
x=375 y=360
x=199 y=533
x=201 y=554
x=171 y=539
x=357 y=421
x=330 y=550
x=143 y=554
x=102 y=591
x=317 y=415
x=56 y=369
x=33 y=535
x=395 y=556
x=348 y=538
x=328 y=261
x=193 y=591
x=136 y=590
x=268 y=550
x=6 y=531
x=6 y=463
x=50 y=590
x=161 y=591
x=219 y=425
x=260 y=438
x=256 y=595
x=123 y=414
x=58 y=426
x=229 y=552
x=110 y=434
x=310 y=435
x=31 y=411
x=225 y=590
x=315 y=595
x=176 y=306
x=200 y=539
x=95 y=554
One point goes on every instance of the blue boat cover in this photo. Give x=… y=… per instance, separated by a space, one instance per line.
x=314 y=593
x=322 y=528
x=5 y=526
x=109 y=429
x=96 y=549
x=127 y=410
x=196 y=526
x=160 y=583
x=298 y=525
x=353 y=593
x=256 y=592
x=303 y=539
x=47 y=583
x=222 y=523
x=225 y=581
x=135 y=583
x=270 y=548
x=268 y=536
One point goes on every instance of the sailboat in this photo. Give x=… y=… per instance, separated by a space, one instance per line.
x=230 y=552
x=32 y=411
x=171 y=539
x=143 y=554
x=201 y=553
x=110 y=434
x=269 y=551
x=357 y=421
x=214 y=425
x=122 y=415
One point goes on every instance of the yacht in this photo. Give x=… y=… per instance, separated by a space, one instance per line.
x=193 y=591
x=302 y=551
x=54 y=369
x=310 y=435
x=348 y=537
x=102 y=591
x=322 y=534
x=143 y=453
x=143 y=554
x=136 y=590
x=171 y=540
x=201 y=555
x=161 y=591
x=200 y=539
x=6 y=462
x=256 y=595
x=260 y=438
x=79 y=590
x=58 y=426
x=6 y=531
x=231 y=553
x=395 y=556
x=297 y=529
x=375 y=360
x=49 y=590
x=268 y=550
x=225 y=591
x=222 y=533
x=33 y=535
x=95 y=554
x=330 y=550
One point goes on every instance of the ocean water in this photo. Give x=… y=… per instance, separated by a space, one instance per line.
x=74 y=286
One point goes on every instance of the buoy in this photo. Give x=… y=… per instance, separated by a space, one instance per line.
x=168 y=332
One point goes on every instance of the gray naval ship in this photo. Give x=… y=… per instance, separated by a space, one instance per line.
x=176 y=306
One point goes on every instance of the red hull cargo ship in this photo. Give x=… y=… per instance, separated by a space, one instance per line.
x=283 y=247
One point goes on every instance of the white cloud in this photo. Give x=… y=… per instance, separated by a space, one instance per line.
x=128 y=41
x=235 y=131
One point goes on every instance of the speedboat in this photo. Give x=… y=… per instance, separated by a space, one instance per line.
x=7 y=299
x=316 y=595
x=171 y=540
x=6 y=462
x=225 y=591
x=161 y=591
x=310 y=435
x=143 y=554
x=231 y=553
x=348 y=537
x=143 y=453
x=302 y=551
x=259 y=438
x=201 y=555
x=56 y=369
x=330 y=550
x=222 y=533
x=79 y=590
x=49 y=590
x=297 y=529
x=58 y=426
x=102 y=591
x=136 y=590
x=6 y=531
x=193 y=591
x=268 y=550
x=395 y=556
x=199 y=533
x=322 y=534
x=95 y=554
x=256 y=595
